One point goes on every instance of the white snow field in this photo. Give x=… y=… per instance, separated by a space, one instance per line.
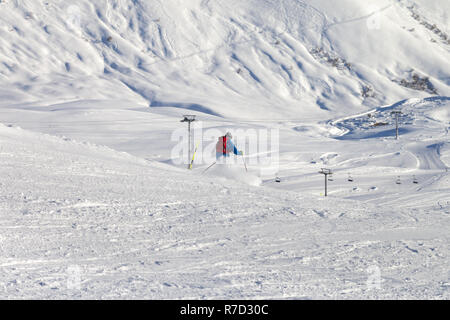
x=94 y=203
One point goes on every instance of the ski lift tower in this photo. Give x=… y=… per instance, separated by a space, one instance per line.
x=396 y=114
x=326 y=173
x=189 y=119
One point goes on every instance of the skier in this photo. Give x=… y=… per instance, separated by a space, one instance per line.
x=225 y=146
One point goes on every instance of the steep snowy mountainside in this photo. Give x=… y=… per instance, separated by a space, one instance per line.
x=277 y=59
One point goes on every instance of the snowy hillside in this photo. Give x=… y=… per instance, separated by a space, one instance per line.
x=96 y=202
x=130 y=229
x=280 y=59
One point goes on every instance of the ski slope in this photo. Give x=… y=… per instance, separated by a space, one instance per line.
x=91 y=93
x=138 y=229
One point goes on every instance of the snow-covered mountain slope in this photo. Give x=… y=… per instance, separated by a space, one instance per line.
x=365 y=151
x=91 y=187
x=83 y=221
x=277 y=59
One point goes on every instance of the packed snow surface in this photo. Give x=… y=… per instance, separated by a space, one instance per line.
x=95 y=204
x=136 y=229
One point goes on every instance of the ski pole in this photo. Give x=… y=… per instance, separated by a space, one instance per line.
x=245 y=164
x=209 y=167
